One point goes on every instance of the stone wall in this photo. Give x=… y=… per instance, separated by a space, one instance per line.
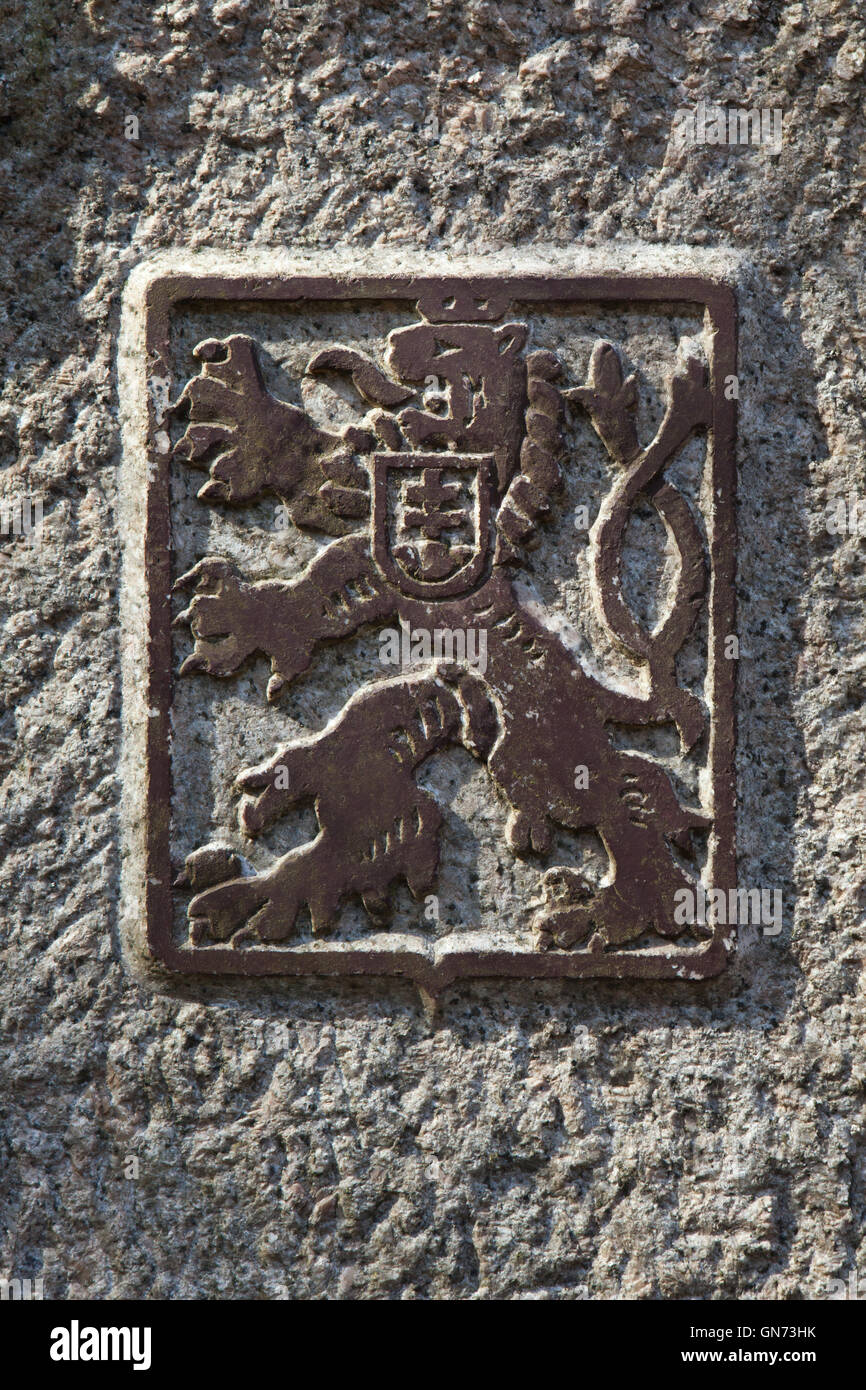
x=601 y=1139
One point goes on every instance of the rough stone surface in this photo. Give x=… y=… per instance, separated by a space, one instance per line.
x=325 y=1140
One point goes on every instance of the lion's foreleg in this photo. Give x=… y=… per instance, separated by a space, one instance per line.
x=229 y=618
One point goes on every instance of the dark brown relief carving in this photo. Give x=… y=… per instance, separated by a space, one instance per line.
x=434 y=502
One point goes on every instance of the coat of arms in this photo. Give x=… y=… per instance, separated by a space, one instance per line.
x=429 y=462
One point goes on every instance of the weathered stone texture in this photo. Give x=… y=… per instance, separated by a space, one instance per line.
x=332 y=1140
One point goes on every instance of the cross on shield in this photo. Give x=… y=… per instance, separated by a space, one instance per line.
x=431 y=520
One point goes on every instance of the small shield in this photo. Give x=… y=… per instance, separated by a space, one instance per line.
x=431 y=521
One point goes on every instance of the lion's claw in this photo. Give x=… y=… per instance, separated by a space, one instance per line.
x=220 y=616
